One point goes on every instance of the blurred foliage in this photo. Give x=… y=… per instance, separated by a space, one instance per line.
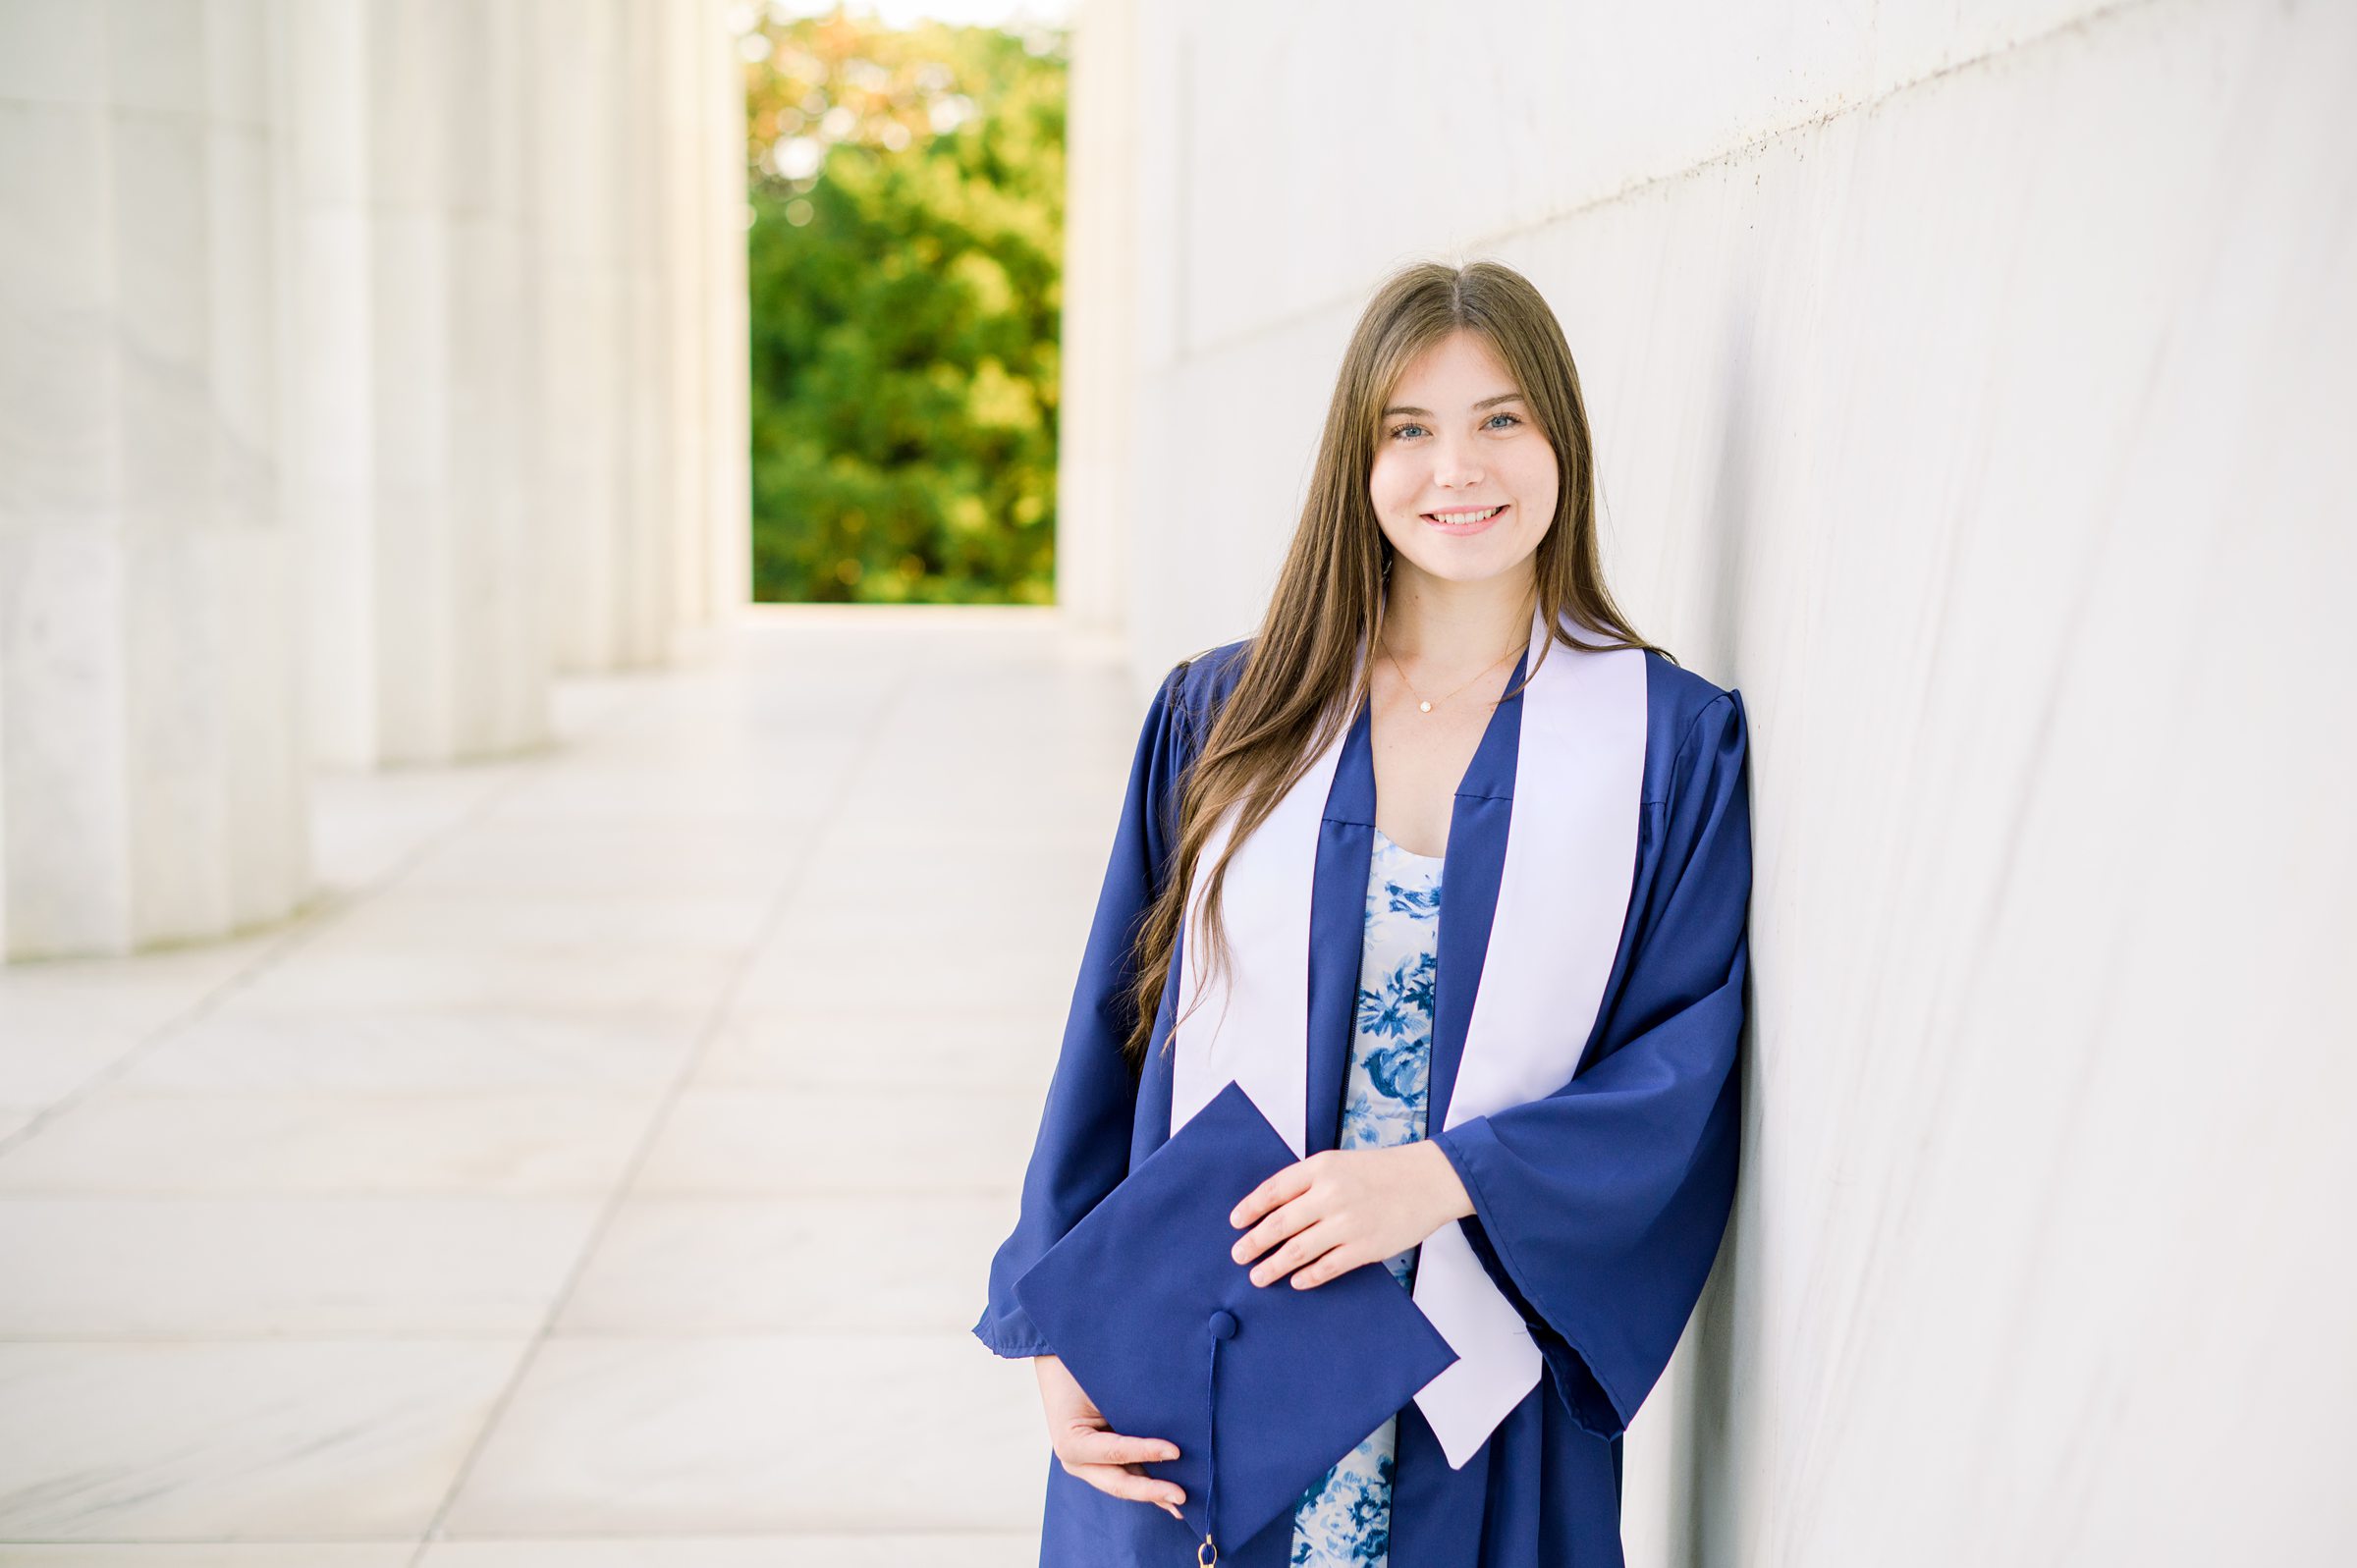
x=905 y=258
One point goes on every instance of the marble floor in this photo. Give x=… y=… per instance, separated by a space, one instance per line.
x=604 y=1170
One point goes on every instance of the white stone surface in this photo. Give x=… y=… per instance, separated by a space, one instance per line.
x=151 y=784
x=725 y=447
x=61 y=1023
x=773 y=1432
x=910 y=1139
x=964 y=1550
x=241 y=1554
x=264 y=1267
x=682 y=232
x=867 y=1048
x=340 y=344
x=1970 y=388
x=489 y=1215
x=579 y=304
x=863 y=1262
x=408 y=173
x=237 y=1439
x=1100 y=292
x=640 y=169
x=504 y=243
x=520 y=1142
x=347 y=1043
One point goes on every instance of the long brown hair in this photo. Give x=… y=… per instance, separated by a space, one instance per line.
x=1329 y=596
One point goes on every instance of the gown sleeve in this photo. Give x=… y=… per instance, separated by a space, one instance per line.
x=1599 y=1207
x=1083 y=1149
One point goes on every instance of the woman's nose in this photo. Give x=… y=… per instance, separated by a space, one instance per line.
x=1453 y=466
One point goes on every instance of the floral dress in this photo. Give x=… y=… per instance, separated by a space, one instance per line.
x=1346 y=1516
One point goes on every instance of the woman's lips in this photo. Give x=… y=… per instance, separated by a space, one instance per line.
x=1467 y=527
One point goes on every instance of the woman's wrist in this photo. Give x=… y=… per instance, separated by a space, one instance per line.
x=1448 y=1195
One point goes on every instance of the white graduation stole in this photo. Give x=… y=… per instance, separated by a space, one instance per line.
x=1570 y=857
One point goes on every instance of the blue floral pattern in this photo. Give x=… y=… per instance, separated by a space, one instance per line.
x=1346 y=1518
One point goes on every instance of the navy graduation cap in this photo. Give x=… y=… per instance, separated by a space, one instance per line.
x=1262 y=1388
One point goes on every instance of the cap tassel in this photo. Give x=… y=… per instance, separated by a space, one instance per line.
x=1223 y=1327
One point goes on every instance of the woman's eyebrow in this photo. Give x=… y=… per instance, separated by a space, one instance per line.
x=1503 y=396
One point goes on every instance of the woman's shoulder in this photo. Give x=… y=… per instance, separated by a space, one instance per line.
x=1214 y=670
x=1199 y=683
x=1681 y=705
x=1677 y=694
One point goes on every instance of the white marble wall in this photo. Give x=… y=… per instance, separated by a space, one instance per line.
x=364 y=361
x=1971 y=389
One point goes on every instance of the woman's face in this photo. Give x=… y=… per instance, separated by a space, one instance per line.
x=1456 y=439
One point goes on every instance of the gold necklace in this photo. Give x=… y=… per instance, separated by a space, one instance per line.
x=1424 y=706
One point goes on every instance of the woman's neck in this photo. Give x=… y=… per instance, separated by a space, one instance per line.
x=1445 y=627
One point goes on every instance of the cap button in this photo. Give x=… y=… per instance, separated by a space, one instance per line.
x=1223 y=1324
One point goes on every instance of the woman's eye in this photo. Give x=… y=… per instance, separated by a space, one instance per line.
x=1397 y=431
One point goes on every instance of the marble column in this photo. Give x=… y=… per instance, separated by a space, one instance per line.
x=503 y=625
x=728 y=330
x=679 y=31
x=412 y=344
x=637 y=629
x=716 y=536
x=1098 y=405
x=153 y=754
x=585 y=217
x=363 y=363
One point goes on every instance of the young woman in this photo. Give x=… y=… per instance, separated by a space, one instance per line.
x=1514 y=840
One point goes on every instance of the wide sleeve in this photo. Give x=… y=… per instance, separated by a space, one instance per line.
x=1599 y=1207
x=1083 y=1149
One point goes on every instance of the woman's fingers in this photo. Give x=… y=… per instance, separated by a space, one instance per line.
x=1124 y=1483
x=1106 y=1460
x=1282 y=1188
x=1305 y=1246
x=1109 y=1461
x=1096 y=1446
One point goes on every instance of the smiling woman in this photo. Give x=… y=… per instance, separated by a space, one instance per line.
x=1526 y=1113
x=1513 y=456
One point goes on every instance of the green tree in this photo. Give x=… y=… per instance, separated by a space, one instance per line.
x=905 y=261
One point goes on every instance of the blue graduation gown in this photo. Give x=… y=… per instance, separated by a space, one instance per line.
x=1599 y=1207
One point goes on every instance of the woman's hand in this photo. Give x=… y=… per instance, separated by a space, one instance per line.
x=1104 y=1459
x=1343 y=1208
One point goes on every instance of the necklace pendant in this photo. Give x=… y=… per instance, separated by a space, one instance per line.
x=1424 y=707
